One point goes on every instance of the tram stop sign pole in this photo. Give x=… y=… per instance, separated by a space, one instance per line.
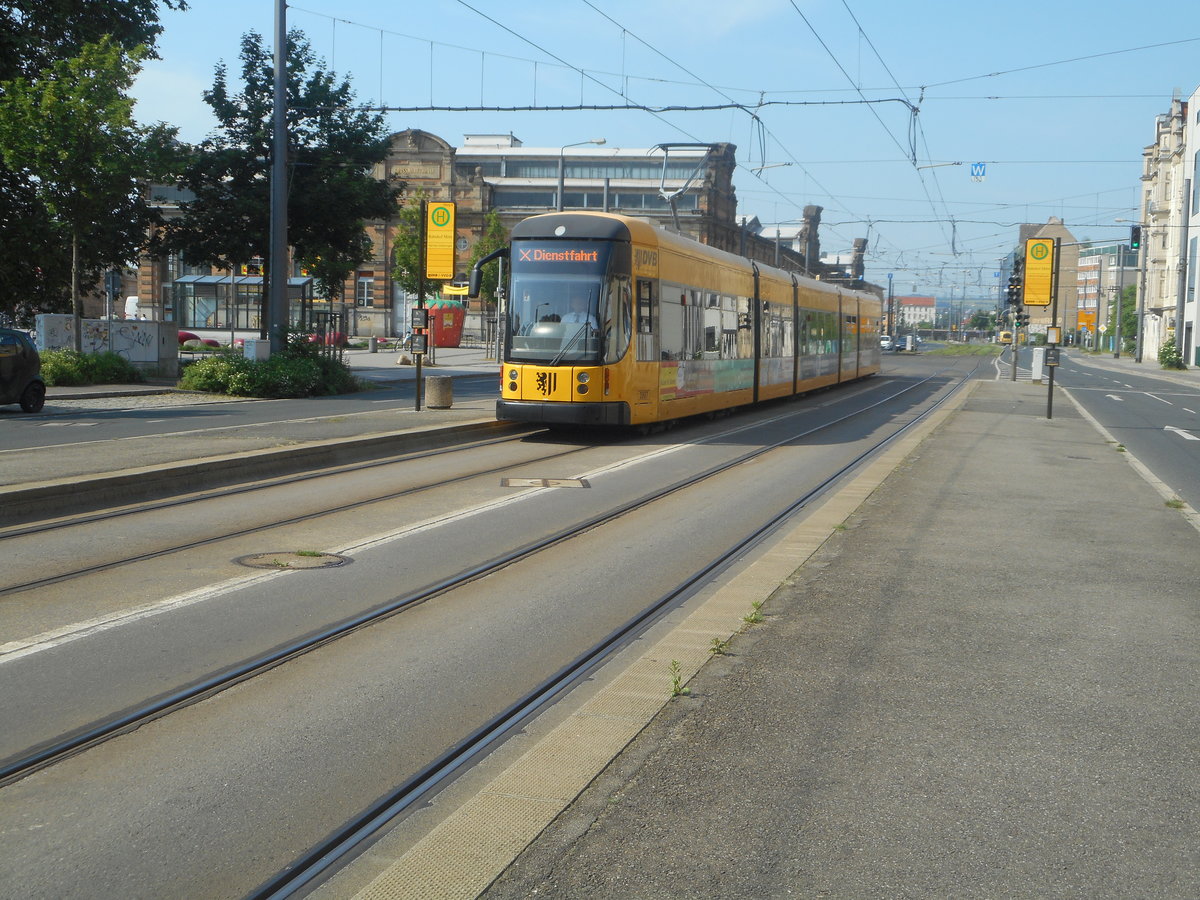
x=1039 y=287
x=437 y=253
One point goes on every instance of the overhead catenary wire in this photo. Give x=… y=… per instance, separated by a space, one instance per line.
x=754 y=105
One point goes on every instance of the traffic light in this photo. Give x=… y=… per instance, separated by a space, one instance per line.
x=1022 y=320
x=1014 y=289
x=1135 y=237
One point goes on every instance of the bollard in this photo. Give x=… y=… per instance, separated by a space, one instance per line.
x=439 y=391
x=372 y=345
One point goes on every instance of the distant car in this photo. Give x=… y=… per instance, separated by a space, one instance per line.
x=885 y=343
x=20 y=371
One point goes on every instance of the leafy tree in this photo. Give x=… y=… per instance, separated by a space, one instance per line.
x=332 y=150
x=493 y=238
x=982 y=321
x=69 y=136
x=35 y=35
x=406 y=246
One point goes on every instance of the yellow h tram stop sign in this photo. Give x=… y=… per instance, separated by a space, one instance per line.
x=1038 y=281
x=439 y=242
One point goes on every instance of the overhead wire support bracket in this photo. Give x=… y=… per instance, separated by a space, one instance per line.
x=672 y=196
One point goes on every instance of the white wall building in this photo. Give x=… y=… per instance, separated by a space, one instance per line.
x=1165 y=173
x=1191 y=234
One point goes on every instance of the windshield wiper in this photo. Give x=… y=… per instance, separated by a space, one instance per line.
x=571 y=343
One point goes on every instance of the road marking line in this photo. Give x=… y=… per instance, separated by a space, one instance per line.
x=48 y=640
x=1186 y=435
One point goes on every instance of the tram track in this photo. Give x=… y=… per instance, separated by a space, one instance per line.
x=343 y=843
x=50 y=752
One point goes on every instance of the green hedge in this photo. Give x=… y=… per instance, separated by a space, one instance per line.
x=62 y=368
x=296 y=372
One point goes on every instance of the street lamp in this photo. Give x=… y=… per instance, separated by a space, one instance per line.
x=562 y=166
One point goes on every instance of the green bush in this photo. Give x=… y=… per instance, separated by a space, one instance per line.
x=296 y=372
x=61 y=368
x=1169 y=357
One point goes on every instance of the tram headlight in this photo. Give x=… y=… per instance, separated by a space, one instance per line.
x=583 y=378
x=512 y=374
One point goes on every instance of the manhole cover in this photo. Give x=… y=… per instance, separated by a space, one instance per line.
x=289 y=559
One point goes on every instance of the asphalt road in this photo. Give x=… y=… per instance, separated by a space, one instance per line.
x=1157 y=420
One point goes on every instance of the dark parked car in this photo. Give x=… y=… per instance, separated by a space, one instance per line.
x=20 y=368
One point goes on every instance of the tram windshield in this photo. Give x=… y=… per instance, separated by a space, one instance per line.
x=565 y=307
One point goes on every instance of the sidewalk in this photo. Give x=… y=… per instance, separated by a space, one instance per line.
x=980 y=685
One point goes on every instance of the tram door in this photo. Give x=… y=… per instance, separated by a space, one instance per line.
x=647 y=315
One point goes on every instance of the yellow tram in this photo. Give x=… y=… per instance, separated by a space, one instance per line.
x=614 y=321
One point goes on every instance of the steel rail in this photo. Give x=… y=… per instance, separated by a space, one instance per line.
x=47 y=754
x=278 y=523
x=342 y=843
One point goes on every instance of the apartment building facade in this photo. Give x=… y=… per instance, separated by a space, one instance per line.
x=1170 y=170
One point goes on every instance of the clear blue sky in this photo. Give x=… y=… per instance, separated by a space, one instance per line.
x=1057 y=99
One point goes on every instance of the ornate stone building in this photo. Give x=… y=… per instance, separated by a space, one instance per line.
x=687 y=186
x=1170 y=197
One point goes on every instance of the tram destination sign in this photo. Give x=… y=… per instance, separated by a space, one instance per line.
x=1038 y=279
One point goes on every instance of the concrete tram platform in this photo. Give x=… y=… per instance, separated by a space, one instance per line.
x=974 y=679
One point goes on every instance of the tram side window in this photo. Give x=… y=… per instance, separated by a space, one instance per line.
x=645 y=307
x=729 y=328
x=672 y=322
x=775 y=331
x=711 y=323
x=617 y=318
x=819 y=335
x=745 y=326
